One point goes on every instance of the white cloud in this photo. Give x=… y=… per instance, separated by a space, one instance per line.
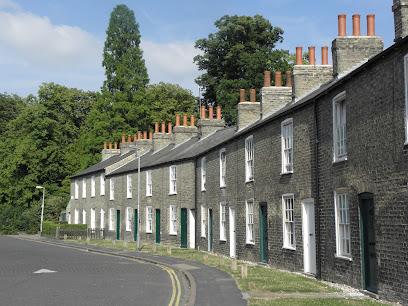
x=38 y=43
x=9 y=4
x=171 y=62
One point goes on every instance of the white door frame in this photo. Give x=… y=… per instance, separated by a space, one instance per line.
x=232 y=230
x=309 y=237
x=192 y=228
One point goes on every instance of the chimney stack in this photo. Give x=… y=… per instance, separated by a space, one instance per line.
x=184 y=132
x=107 y=153
x=248 y=112
x=207 y=126
x=349 y=51
x=400 y=10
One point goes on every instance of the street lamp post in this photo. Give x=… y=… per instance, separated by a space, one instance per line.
x=42 y=207
x=138 y=196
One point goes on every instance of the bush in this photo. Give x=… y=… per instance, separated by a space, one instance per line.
x=50 y=227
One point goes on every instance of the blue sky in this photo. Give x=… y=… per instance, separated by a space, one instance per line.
x=61 y=41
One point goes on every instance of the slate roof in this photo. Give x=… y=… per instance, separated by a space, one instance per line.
x=101 y=166
x=194 y=147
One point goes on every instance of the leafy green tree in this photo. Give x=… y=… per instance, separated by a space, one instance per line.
x=38 y=148
x=122 y=57
x=122 y=106
x=10 y=108
x=169 y=100
x=235 y=57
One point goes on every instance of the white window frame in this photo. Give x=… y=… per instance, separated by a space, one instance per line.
x=406 y=96
x=93 y=217
x=83 y=216
x=223 y=222
x=149 y=219
x=249 y=221
x=249 y=159
x=288 y=221
x=203 y=173
x=102 y=224
x=342 y=220
x=173 y=179
x=149 y=184
x=102 y=191
x=173 y=220
x=287 y=145
x=129 y=186
x=223 y=168
x=340 y=127
x=76 y=189
x=111 y=219
x=76 y=216
x=93 y=186
x=84 y=188
x=111 y=188
x=69 y=218
x=203 y=219
x=128 y=219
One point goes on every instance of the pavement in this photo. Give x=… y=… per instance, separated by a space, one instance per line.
x=207 y=285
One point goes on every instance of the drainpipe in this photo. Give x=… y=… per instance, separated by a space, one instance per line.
x=316 y=135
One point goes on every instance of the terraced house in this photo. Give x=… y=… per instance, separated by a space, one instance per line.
x=313 y=178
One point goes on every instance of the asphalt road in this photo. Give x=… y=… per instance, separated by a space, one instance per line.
x=80 y=277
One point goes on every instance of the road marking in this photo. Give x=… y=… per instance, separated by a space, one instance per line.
x=173 y=276
x=44 y=271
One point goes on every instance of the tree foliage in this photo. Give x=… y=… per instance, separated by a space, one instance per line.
x=38 y=148
x=122 y=57
x=167 y=100
x=10 y=108
x=235 y=57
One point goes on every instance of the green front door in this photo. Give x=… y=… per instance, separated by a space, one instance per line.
x=263 y=232
x=136 y=227
x=157 y=225
x=183 y=227
x=117 y=224
x=369 y=257
x=210 y=230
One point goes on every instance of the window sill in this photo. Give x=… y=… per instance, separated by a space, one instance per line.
x=203 y=236
x=250 y=243
x=339 y=159
x=84 y=197
x=111 y=199
x=224 y=186
x=289 y=248
x=148 y=195
x=203 y=190
x=92 y=196
x=128 y=230
x=175 y=193
x=172 y=234
x=149 y=232
x=102 y=195
x=343 y=257
x=249 y=181
x=128 y=197
x=223 y=240
x=287 y=172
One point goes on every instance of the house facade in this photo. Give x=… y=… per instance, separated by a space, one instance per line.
x=313 y=178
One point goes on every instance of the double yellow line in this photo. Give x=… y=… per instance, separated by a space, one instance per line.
x=175 y=296
x=176 y=293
